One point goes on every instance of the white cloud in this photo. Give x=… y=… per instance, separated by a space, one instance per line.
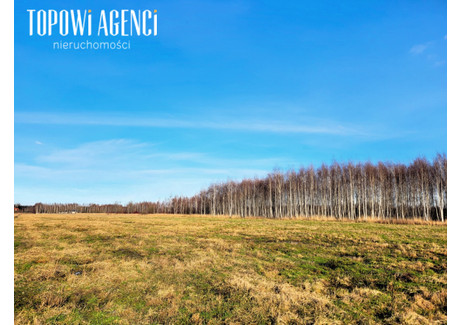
x=91 y=153
x=418 y=49
x=124 y=170
x=326 y=127
x=107 y=185
x=38 y=142
x=439 y=63
x=430 y=51
x=124 y=153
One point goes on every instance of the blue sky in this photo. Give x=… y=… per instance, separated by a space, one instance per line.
x=226 y=90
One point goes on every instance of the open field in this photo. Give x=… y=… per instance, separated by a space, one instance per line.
x=163 y=269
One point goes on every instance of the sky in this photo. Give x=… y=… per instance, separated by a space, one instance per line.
x=226 y=90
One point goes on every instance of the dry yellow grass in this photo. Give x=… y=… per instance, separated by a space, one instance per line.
x=162 y=269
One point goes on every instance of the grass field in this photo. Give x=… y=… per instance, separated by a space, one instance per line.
x=157 y=269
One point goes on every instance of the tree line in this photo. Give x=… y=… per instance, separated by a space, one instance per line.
x=382 y=190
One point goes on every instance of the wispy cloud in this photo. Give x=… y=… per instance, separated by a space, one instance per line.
x=117 y=164
x=96 y=176
x=96 y=152
x=430 y=50
x=419 y=48
x=107 y=184
x=327 y=127
x=129 y=153
x=439 y=63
